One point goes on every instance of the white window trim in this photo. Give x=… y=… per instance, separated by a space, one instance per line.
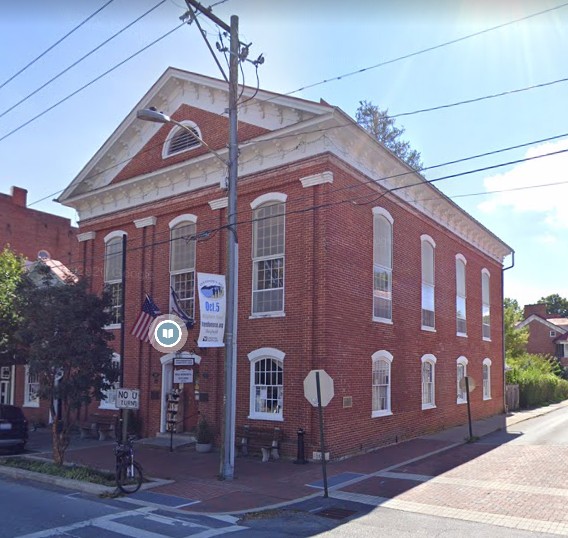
x=461 y=360
x=253 y=357
x=428 y=239
x=461 y=257
x=27 y=401
x=188 y=217
x=381 y=211
x=276 y=197
x=486 y=395
x=104 y=404
x=486 y=272
x=107 y=238
x=385 y=356
x=432 y=360
x=173 y=132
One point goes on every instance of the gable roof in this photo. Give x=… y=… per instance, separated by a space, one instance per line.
x=274 y=131
x=560 y=326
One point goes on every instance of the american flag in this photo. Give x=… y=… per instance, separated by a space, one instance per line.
x=149 y=312
x=179 y=311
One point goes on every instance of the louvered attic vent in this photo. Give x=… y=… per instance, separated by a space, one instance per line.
x=182 y=140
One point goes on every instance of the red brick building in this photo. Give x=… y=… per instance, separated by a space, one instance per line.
x=548 y=335
x=348 y=261
x=33 y=234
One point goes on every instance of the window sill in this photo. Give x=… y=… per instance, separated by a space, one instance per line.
x=266 y=416
x=428 y=329
x=113 y=326
x=376 y=414
x=485 y=339
x=428 y=406
x=110 y=407
x=462 y=335
x=386 y=321
x=268 y=315
x=31 y=404
x=461 y=402
x=485 y=398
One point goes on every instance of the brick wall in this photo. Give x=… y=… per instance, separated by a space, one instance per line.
x=540 y=340
x=328 y=309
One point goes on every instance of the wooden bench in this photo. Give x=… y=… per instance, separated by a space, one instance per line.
x=98 y=426
x=265 y=439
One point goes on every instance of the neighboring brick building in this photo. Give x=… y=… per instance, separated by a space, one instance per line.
x=32 y=234
x=548 y=334
x=348 y=262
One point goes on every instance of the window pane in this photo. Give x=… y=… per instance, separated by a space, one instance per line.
x=268 y=390
x=113 y=259
x=268 y=293
x=182 y=247
x=427 y=263
x=184 y=286
x=268 y=230
x=382 y=245
x=428 y=318
x=381 y=384
x=382 y=293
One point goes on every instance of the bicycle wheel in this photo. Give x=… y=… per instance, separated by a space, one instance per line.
x=129 y=477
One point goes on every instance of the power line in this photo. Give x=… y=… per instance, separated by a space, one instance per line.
x=54 y=45
x=68 y=68
x=10 y=133
x=416 y=53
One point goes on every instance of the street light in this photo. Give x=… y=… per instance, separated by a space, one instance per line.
x=152 y=114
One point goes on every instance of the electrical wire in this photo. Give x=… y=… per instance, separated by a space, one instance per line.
x=68 y=68
x=54 y=45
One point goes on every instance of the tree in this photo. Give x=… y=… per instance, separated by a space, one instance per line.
x=65 y=345
x=378 y=123
x=515 y=339
x=11 y=271
x=555 y=305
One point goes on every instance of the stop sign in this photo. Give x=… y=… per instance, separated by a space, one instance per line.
x=326 y=388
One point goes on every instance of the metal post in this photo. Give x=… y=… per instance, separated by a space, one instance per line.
x=228 y=453
x=124 y=412
x=468 y=407
x=322 y=443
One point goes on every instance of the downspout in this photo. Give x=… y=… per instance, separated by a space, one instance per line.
x=503 y=326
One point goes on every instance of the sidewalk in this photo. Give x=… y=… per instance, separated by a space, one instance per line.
x=192 y=484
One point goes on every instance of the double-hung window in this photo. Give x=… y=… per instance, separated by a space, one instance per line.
x=428 y=308
x=381 y=384
x=113 y=273
x=460 y=296
x=266 y=384
x=428 y=381
x=486 y=305
x=31 y=388
x=268 y=254
x=382 y=265
x=486 y=379
x=460 y=378
x=182 y=262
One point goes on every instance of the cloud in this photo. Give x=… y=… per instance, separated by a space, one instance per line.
x=547 y=200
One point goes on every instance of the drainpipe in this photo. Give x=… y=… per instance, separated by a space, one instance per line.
x=503 y=325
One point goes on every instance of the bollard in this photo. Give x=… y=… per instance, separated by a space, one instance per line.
x=300 y=458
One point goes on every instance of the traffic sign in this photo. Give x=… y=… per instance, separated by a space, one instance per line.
x=128 y=398
x=326 y=388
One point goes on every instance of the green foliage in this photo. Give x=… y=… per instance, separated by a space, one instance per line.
x=11 y=271
x=379 y=125
x=515 y=339
x=555 y=305
x=74 y=472
x=204 y=432
x=539 y=379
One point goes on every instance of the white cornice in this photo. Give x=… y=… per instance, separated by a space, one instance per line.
x=317 y=179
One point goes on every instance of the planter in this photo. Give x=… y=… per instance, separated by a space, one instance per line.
x=203 y=447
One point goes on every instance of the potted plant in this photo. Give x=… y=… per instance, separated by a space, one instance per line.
x=204 y=436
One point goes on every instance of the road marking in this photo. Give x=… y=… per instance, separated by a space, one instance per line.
x=536 y=525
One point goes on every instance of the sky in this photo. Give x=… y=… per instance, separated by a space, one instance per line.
x=403 y=55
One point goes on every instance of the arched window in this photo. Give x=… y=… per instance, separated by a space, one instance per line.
x=182 y=262
x=486 y=305
x=382 y=265
x=487 y=379
x=113 y=273
x=180 y=139
x=266 y=384
x=268 y=234
x=428 y=306
x=381 y=385
x=428 y=381
x=461 y=373
x=460 y=296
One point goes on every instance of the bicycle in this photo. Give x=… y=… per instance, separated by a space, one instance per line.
x=129 y=476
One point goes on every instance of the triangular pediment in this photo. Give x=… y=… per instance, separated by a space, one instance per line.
x=135 y=148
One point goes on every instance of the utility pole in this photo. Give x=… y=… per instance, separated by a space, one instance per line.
x=227 y=462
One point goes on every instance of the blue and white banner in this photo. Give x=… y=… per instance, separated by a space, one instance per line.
x=212 y=308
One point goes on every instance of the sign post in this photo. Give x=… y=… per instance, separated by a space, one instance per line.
x=319 y=390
